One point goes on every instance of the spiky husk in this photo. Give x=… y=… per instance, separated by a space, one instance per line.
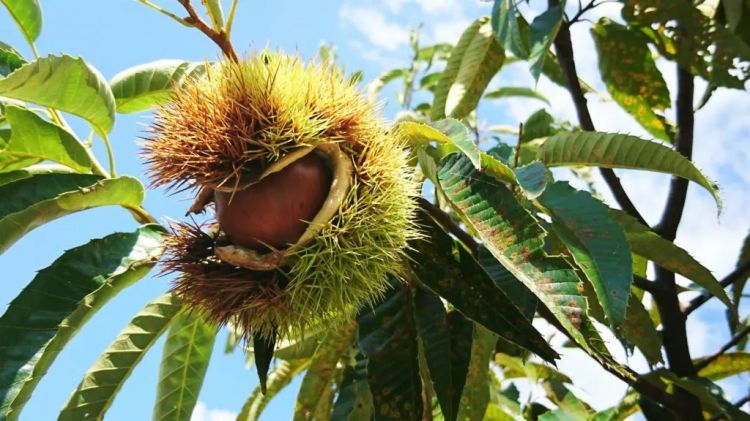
x=225 y=129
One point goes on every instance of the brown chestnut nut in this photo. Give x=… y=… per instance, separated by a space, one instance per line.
x=275 y=211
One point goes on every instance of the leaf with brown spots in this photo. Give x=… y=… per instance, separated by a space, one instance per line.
x=460 y=279
x=516 y=240
x=631 y=76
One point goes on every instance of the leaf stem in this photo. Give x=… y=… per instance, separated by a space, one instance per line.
x=742 y=271
x=110 y=156
x=230 y=18
x=171 y=15
x=219 y=37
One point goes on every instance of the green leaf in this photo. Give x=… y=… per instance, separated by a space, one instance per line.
x=67 y=84
x=321 y=372
x=668 y=255
x=374 y=87
x=607 y=264
x=263 y=348
x=726 y=365
x=567 y=401
x=60 y=299
x=305 y=347
x=101 y=383
x=704 y=45
x=451 y=134
x=472 y=64
x=447 y=339
x=184 y=362
x=476 y=394
x=612 y=150
x=28 y=16
x=519 y=368
x=33 y=139
x=16 y=175
x=213 y=9
x=641 y=332
x=517 y=241
x=632 y=78
x=10 y=59
x=31 y=202
x=279 y=378
x=542 y=33
x=532 y=178
x=143 y=87
x=435 y=265
x=354 y=402
x=505 y=22
x=520 y=91
x=522 y=298
x=388 y=338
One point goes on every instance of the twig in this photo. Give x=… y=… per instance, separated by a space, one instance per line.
x=518 y=146
x=737 y=405
x=732 y=342
x=564 y=49
x=446 y=222
x=581 y=10
x=219 y=37
x=741 y=272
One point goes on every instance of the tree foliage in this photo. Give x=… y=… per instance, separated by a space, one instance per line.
x=504 y=244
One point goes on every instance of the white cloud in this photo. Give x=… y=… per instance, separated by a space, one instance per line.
x=203 y=413
x=426 y=6
x=375 y=27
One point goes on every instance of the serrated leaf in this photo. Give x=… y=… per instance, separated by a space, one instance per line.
x=184 y=362
x=631 y=76
x=101 y=383
x=567 y=401
x=639 y=329
x=517 y=91
x=151 y=84
x=538 y=125
x=451 y=134
x=67 y=84
x=517 y=241
x=505 y=22
x=321 y=372
x=30 y=202
x=726 y=365
x=447 y=339
x=476 y=394
x=668 y=255
x=60 y=299
x=16 y=175
x=388 y=338
x=607 y=264
x=28 y=16
x=542 y=33
x=354 y=401
x=612 y=150
x=279 y=378
x=472 y=64
x=294 y=349
x=33 y=139
x=263 y=348
x=522 y=298
x=460 y=279
x=10 y=59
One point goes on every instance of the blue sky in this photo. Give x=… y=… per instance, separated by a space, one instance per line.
x=372 y=37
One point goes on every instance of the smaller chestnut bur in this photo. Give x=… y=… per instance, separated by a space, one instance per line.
x=275 y=211
x=314 y=195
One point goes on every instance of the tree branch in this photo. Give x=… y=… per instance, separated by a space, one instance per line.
x=741 y=272
x=447 y=223
x=732 y=342
x=219 y=37
x=564 y=49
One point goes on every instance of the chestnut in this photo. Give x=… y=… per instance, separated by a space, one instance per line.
x=275 y=211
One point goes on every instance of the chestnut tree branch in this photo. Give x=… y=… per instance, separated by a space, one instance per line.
x=564 y=49
x=741 y=272
x=732 y=342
